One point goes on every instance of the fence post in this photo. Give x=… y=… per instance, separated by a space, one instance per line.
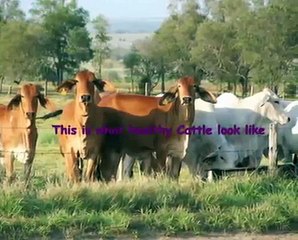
x=210 y=176
x=272 y=147
x=1 y=83
x=251 y=90
x=146 y=89
x=120 y=169
x=46 y=87
x=9 y=90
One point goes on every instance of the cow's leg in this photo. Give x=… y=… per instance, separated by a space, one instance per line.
x=146 y=164
x=109 y=165
x=91 y=169
x=288 y=156
x=80 y=163
x=72 y=168
x=98 y=174
x=9 y=167
x=128 y=163
x=160 y=164
x=201 y=169
x=173 y=167
x=27 y=171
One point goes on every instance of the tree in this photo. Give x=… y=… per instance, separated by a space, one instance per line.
x=175 y=38
x=10 y=10
x=20 y=49
x=101 y=42
x=131 y=61
x=67 y=40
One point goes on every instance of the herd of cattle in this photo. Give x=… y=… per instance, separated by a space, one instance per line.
x=97 y=104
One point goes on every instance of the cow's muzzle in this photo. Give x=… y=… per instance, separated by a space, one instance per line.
x=86 y=99
x=30 y=115
x=186 y=100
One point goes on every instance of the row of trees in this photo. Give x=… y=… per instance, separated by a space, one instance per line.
x=51 y=44
x=230 y=42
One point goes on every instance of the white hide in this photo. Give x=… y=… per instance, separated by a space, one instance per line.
x=288 y=134
x=200 y=146
x=260 y=110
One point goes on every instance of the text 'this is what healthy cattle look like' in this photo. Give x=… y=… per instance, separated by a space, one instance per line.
x=81 y=113
x=18 y=132
x=174 y=108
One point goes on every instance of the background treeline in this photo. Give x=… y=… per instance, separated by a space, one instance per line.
x=235 y=44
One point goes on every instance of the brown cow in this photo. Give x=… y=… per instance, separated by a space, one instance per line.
x=82 y=113
x=174 y=108
x=18 y=132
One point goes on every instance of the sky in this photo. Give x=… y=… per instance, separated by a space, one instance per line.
x=115 y=9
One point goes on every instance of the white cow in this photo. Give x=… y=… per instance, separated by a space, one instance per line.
x=207 y=152
x=259 y=110
x=285 y=103
x=288 y=134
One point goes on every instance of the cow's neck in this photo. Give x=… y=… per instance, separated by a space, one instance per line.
x=181 y=114
x=80 y=119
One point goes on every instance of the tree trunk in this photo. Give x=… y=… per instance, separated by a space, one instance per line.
x=1 y=83
x=235 y=87
x=229 y=86
x=100 y=65
x=132 y=82
x=58 y=74
x=163 y=81
x=46 y=87
x=251 y=90
x=275 y=89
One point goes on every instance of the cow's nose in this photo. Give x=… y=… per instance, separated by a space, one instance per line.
x=289 y=119
x=85 y=98
x=30 y=115
x=186 y=100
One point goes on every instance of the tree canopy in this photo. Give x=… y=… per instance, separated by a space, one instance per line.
x=232 y=43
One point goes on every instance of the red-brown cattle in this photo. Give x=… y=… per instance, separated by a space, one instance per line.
x=174 y=108
x=81 y=113
x=18 y=132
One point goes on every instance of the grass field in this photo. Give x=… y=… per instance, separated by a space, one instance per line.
x=139 y=208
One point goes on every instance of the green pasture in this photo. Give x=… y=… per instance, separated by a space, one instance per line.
x=142 y=207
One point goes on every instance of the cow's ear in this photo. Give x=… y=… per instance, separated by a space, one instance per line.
x=205 y=95
x=46 y=103
x=14 y=102
x=104 y=86
x=169 y=96
x=66 y=86
x=264 y=100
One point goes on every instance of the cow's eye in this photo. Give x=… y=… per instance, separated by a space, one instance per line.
x=277 y=102
x=222 y=158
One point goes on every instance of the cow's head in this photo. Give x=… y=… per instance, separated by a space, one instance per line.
x=271 y=108
x=27 y=100
x=184 y=94
x=84 y=81
x=186 y=90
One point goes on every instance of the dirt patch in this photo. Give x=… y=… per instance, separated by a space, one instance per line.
x=239 y=236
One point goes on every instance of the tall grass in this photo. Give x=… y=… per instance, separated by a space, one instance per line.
x=50 y=206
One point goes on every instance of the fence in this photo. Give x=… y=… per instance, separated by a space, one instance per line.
x=272 y=140
x=273 y=166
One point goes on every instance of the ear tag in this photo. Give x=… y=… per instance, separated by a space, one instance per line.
x=63 y=92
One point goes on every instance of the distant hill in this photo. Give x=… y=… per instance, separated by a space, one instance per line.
x=146 y=25
x=134 y=25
